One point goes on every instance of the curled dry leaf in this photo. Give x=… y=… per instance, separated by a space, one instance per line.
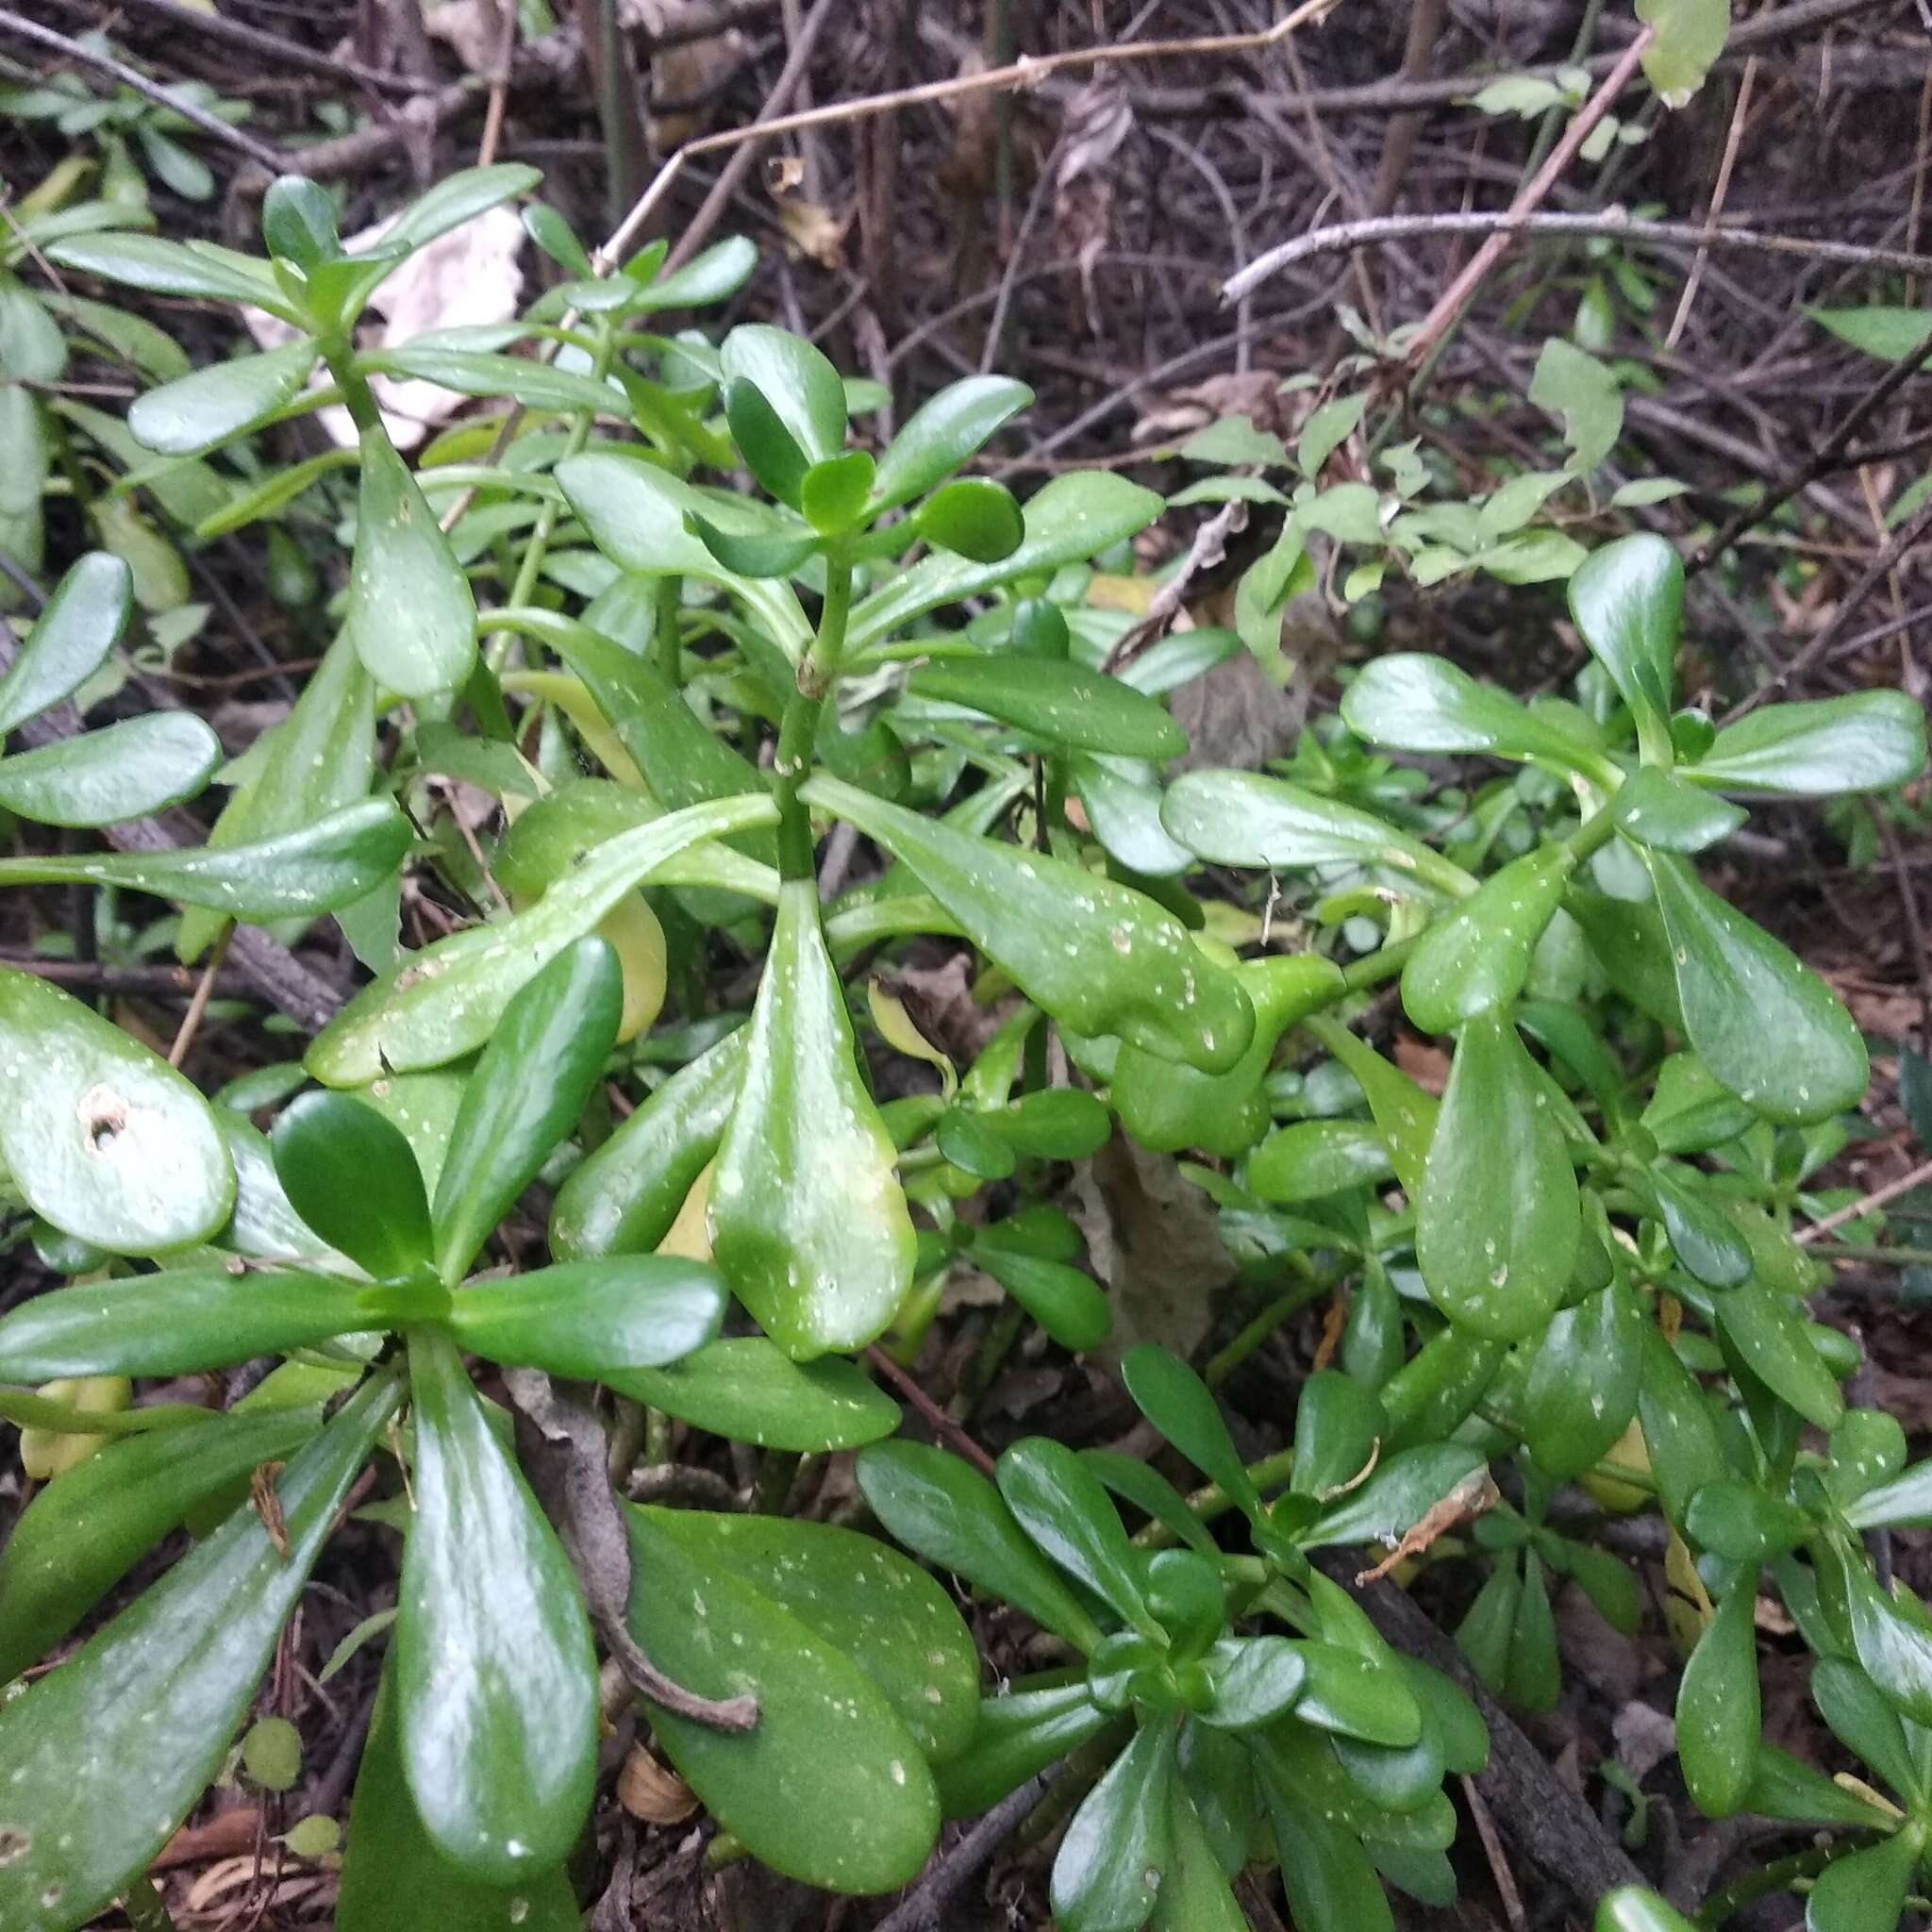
x=650 y=1792
x=1468 y=1500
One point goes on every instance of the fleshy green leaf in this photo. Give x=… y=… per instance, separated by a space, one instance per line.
x=1099 y=957
x=396 y=1880
x=749 y=1389
x=327 y=864
x=1718 y=1707
x=495 y=1673
x=973 y=517
x=80 y=1536
x=1866 y=1891
x=1769 y=1334
x=1868 y=741
x=1073 y=517
x=100 y=1135
x=582 y=1318
x=1064 y=702
x=1583 y=1382
x=1116 y=1852
x=801 y=387
x=1738 y=988
x=829 y=1785
x=173 y=268
x=1627 y=600
x=196 y=414
x=1063 y=1507
x=623 y=1197
x=1306 y=1161
x=941 y=433
x=526 y=1095
x=478 y=373
x=354 y=1178
x=822 y=1266
x=151 y=1702
x=895 y=1622
x=102 y=778
x=1478 y=957
x=1411 y=702
x=447 y=999
x=174 y=1323
x=1498 y=1224
x=948 y=1514
x=1242 y=818
x=71 y=637
x=1657 y=808
x=410 y=614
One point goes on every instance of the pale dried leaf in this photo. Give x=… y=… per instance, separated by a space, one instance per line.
x=467 y=278
x=1473 y=1494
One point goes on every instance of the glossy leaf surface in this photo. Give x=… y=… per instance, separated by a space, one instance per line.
x=825 y=1727
x=1498 y=1226
x=102 y=1137
x=821 y=1268
x=1065 y=703
x=495 y=1673
x=583 y=1319
x=1098 y=956
x=1737 y=988
x=151 y=1702
x=411 y=616
x=749 y=1389
x=447 y=999
x=525 y=1096
x=122 y=771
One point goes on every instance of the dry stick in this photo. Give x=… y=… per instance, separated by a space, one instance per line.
x=210 y=125
x=1022 y=73
x=1450 y=304
x=941 y=1424
x=190 y=1019
x=1501 y=223
x=1547 y=1823
x=790 y=78
x=1825 y=457
x=1879 y=567
x=923 y=1910
x=1876 y=1198
x=270 y=47
x=1732 y=141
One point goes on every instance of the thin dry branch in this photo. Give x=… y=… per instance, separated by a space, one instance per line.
x=1614 y=223
x=119 y=71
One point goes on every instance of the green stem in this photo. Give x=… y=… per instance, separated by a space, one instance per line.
x=799 y=730
x=1778 y=1876
x=1864 y=1251
x=531 y=566
x=667 y=645
x=1264 y=1324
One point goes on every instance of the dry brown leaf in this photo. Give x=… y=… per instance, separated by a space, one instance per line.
x=1425 y=1064
x=648 y=1791
x=814 y=232
x=1098 y=119
x=1473 y=1494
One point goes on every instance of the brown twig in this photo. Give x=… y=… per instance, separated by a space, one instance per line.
x=1827 y=457
x=1880 y=567
x=1452 y=301
x=1718 y=193
x=124 y=76
x=923 y=1908
x=272 y=49
x=937 y=1418
x=1021 y=72
x=197 y=1005
x=1854 y=1210
x=1500 y=224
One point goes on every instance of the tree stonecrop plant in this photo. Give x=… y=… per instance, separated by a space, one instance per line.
x=1581 y=1261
